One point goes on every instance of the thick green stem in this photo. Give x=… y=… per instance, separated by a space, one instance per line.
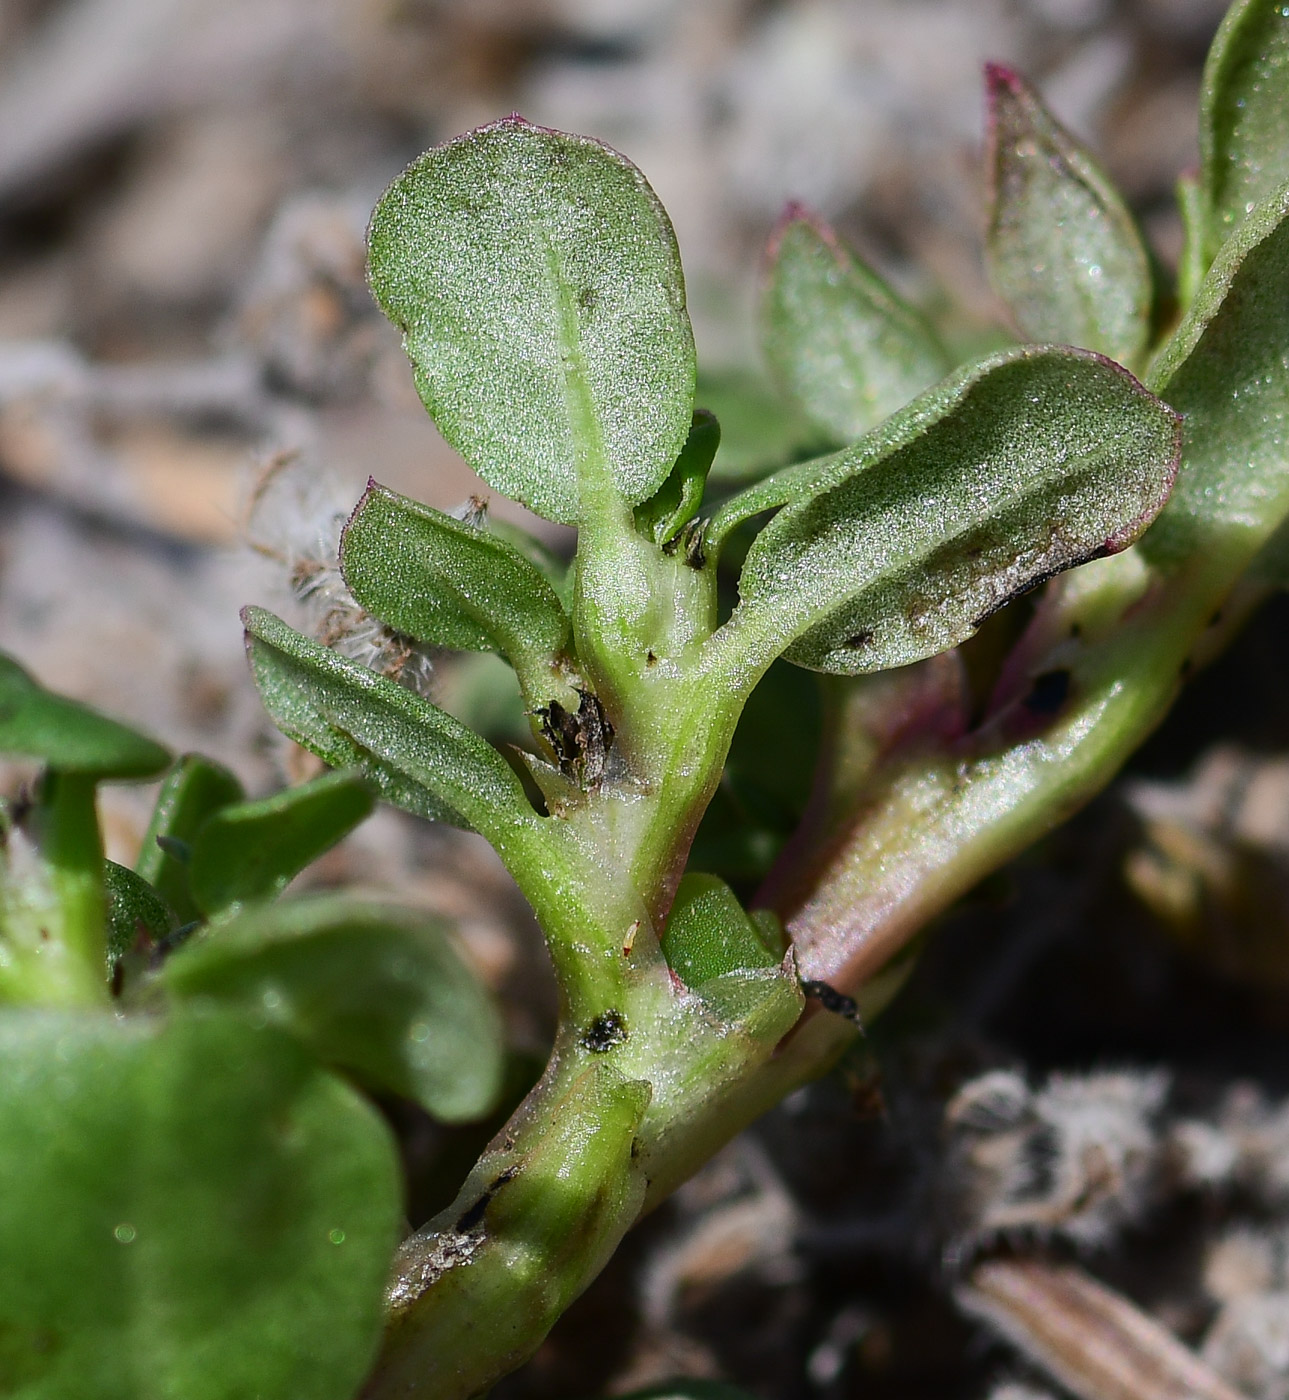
x=54 y=952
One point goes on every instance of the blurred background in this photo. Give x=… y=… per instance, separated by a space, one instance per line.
x=195 y=386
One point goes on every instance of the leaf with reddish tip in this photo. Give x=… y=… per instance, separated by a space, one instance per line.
x=1062 y=249
x=1244 y=114
x=845 y=349
x=536 y=280
x=1030 y=462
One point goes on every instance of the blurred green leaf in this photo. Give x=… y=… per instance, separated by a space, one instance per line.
x=370 y=988
x=191 y=1207
x=676 y=501
x=69 y=736
x=454 y=584
x=844 y=348
x=536 y=279
x=708 y=932
x=1028 y=463
x=1244 y=114
x=1062 y=248
x=759 y=432
x=1225 y=370
x=193 y=790
x=253 y=850
x=416 y=756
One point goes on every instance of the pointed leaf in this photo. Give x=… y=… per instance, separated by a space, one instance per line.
x=417 y=757
x=1225 y=371
x=135 y=911
x=1244 y=113
x=453 y=584
x=536 y=279
x=191 y=1207
x=66 y=735
x=1028 y=463
x=844 y=348
x=194 y=789
x=253 y=850
x=708 y=933
x=662 y=517
x=372 y=989
x=1062 y=248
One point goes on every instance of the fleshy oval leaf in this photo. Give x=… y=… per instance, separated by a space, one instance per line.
x=253 y=850
x=844 y=348
x=1244 y=114
x=192 y=1207
x=369 y=988
x=709 y=933
x=1226 y=369
x=536 y=279
x=416 y=756
x=453 y=584
x=1028 y=463
x=1062 y=248
x=66 y=735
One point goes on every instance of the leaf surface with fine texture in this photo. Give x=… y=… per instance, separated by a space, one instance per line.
x=1025 y=464
x=536 y=280
x=453 y=584
x=845 y=349
x=1244 y=114
x=417 y=756
x=1062 y=249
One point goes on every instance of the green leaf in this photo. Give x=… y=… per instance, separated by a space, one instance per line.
x=536 y=280
x=68 y=736
x=1225 y=370
x=1062 y=249
x=253 y=850
x=194 y=789
x=191 y=1207
x=1030 y=462
x=759 y=432
x=662 y=517
x=417 y=757
x=709 y=934
x=443 y=581
x=134 y=910
x=372 y=989
x=1193 y=263
x=843 y=347
x=1244 y=114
